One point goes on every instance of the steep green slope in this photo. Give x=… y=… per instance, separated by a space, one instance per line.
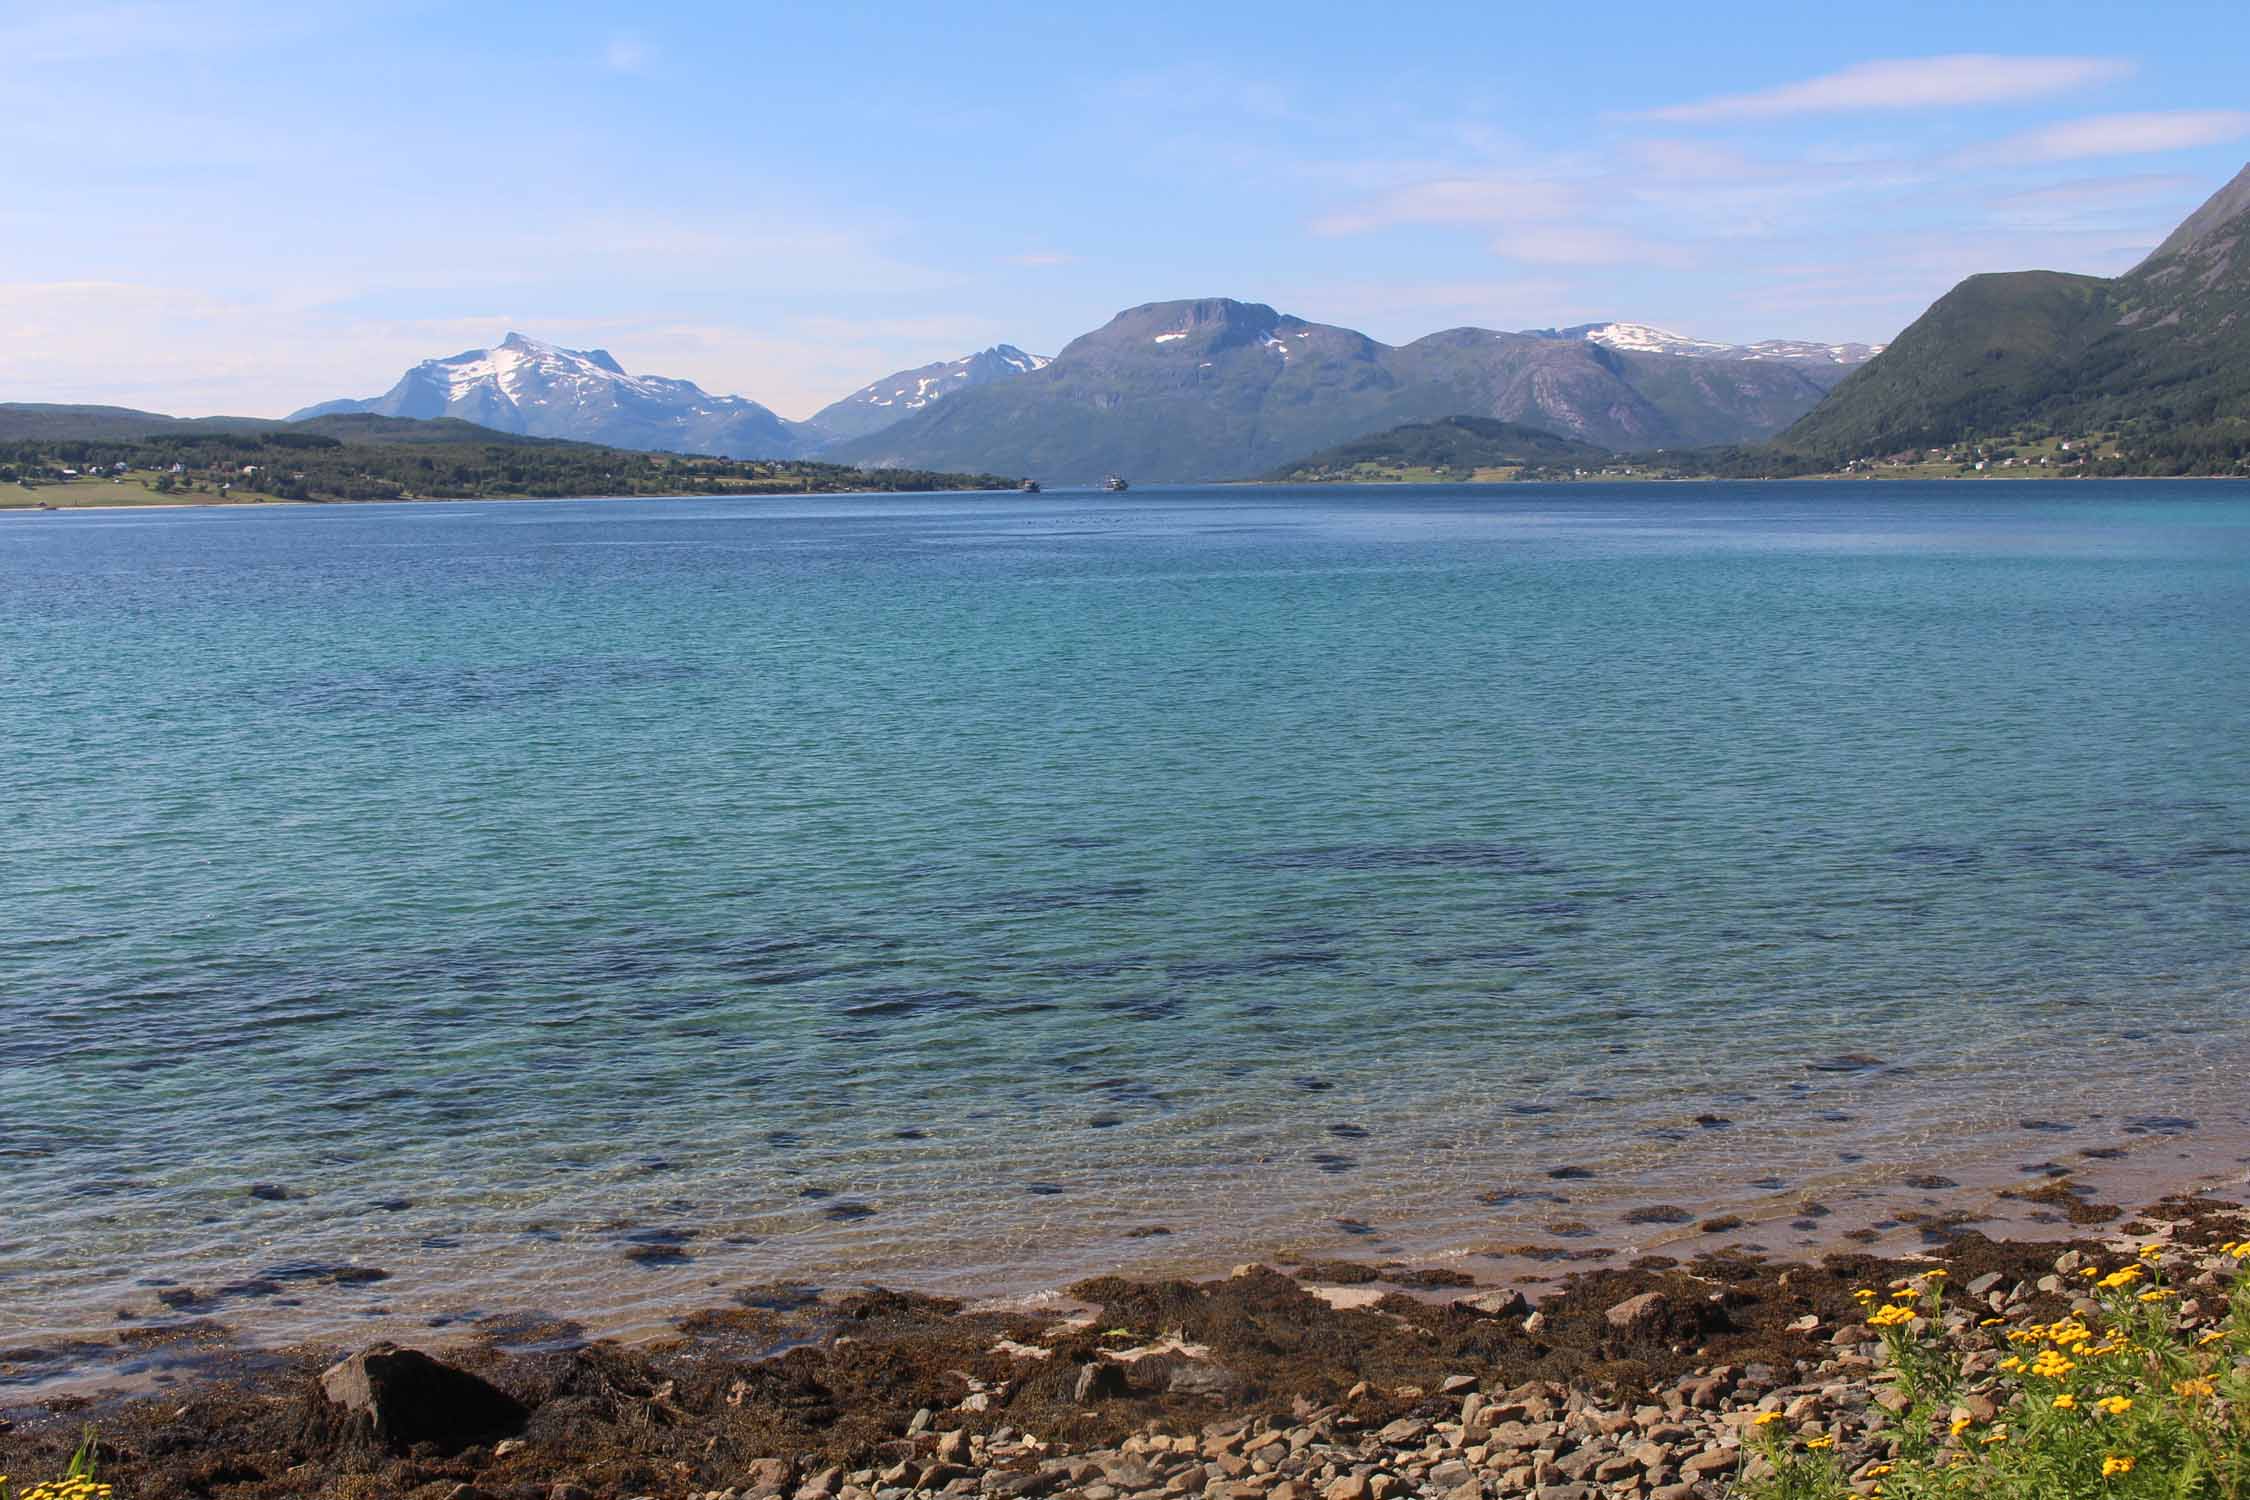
x=2160 y=356
x=1453 y=446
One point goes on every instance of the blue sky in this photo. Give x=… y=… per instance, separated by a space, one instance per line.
x=249 y=206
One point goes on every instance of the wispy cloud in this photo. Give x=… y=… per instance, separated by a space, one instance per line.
x=627 y=53
x=1041 y=259
x=2113 y=135
x=1584 y=245
x=47 y=34
x=2089 y=202
x=1455 y=200
x=1906 y=83
x=1400 y=310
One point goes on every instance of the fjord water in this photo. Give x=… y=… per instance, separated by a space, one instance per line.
x=938 y=890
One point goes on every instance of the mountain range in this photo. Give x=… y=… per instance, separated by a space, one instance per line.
x=1214 y=388
x=1219 y=389
x=2159 y=356
x=1206 y=389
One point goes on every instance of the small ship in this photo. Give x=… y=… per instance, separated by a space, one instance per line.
x=1115 y=485
x=1028 y=487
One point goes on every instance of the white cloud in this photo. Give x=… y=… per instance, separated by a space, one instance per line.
x=2114 y=135
x=1907 y=83
x=1455 y=200
x=1041 y=259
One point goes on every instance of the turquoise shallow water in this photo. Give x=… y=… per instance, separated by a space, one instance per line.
x=936 y=889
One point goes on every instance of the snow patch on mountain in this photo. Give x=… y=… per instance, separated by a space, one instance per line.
x=1645 y=338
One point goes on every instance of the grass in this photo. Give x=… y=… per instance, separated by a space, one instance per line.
x=2147 y=1397
x=131 y=489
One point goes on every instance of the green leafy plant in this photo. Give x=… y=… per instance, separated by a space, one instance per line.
x=2135 y=1401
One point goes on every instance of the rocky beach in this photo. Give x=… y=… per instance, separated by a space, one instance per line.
x=1657 y=1379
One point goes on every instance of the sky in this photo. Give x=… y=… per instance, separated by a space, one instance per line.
x=244 y=206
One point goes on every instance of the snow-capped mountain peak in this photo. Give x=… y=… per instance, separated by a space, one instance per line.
x=879 y=403
x=524 y=385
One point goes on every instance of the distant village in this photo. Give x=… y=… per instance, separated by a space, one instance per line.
x=219 y=478
x=1983 y=458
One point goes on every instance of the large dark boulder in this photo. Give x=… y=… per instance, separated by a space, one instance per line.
x=397 y=1399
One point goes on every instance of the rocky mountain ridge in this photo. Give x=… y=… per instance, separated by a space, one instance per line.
x=1213 y=388
x=880 y=403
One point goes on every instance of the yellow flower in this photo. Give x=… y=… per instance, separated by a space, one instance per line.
x=2116 y=1463
x=1878 y=1471
x=2150 y=1252
x=1960 y=1425
x=1820 y=1442
x=1997 y=1435
x=1906 y=1294
x=2123 y=1276
x=1765 y=1419
x=2194 y=1389
x=2154 y=1294
x=2012 y=1363
x=2212 y=1337
x=1865 y=1294
x=2116 y=1406
x=2066 y=1402
x=1892 y=1316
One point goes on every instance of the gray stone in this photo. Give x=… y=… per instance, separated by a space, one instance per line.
x=1635 y=1311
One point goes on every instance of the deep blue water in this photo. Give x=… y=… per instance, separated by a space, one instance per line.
x=938 y=888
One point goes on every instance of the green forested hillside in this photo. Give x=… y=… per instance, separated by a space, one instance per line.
x=57 y=455
x=1451 y=448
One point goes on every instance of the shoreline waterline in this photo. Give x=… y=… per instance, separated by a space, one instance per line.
x=670 y=1278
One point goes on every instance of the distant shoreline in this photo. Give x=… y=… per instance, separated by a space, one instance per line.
x=35 y=506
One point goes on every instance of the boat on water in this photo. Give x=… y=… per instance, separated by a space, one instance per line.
x=1028 y=487
x=1115 y=485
